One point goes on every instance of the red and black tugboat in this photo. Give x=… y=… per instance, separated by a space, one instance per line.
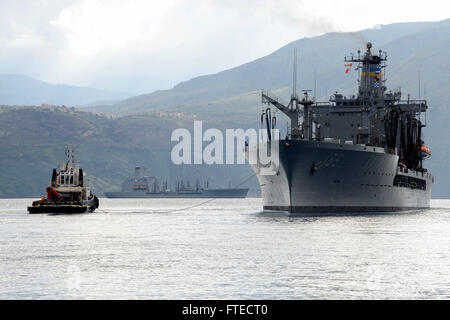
x=69 y=191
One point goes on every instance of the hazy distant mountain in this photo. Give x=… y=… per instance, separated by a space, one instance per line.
x=24 y=90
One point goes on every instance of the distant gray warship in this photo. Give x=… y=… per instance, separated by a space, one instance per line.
x=361 y=153
x=143 y=186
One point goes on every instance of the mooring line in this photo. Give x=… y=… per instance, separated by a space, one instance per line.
x=196 y=205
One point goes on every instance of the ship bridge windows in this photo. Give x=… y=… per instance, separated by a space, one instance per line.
x=347 y=103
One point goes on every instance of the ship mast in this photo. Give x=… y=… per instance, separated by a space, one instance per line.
x=371 y=81
x=69 y=154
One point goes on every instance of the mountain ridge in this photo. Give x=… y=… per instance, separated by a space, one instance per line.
x=19 y=89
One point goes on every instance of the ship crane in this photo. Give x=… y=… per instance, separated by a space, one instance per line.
x=292 y=110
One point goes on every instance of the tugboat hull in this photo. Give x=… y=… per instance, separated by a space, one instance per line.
x=60 y=209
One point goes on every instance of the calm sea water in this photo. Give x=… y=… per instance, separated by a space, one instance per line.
x=223 y=249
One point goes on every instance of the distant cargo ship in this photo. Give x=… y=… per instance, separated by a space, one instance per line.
x=143 y=186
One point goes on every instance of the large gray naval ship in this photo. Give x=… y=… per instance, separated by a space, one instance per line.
x=145 y=186
x=362 y=153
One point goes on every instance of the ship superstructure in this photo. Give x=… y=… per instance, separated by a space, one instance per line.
x=351 y=154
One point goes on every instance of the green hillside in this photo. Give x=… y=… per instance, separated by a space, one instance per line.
x=32 y=142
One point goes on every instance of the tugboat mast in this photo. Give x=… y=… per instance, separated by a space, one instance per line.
x=69 y=153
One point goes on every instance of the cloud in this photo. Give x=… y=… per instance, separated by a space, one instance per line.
x=141 y=45
x=298 y=15
x=94 y=26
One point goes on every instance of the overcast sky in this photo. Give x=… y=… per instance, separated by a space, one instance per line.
x=142 y=45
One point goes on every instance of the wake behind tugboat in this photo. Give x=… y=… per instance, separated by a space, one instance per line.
x=69 y=191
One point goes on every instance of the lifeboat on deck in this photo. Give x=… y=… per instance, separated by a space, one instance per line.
x=424 y=152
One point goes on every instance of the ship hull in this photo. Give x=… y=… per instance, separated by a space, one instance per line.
x=320 y=178
x=212 y=193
